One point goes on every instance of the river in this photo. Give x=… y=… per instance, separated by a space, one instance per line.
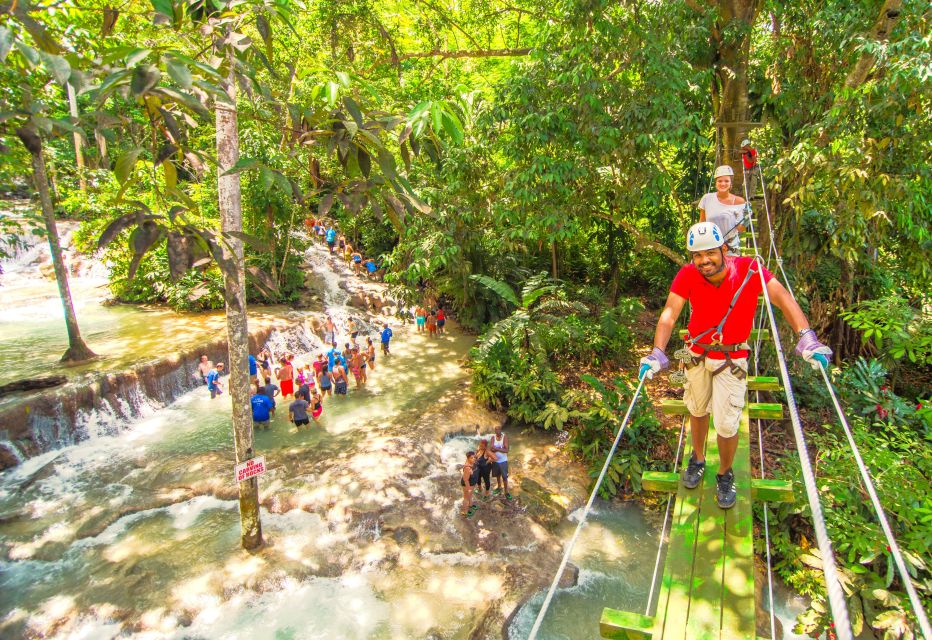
x=136 y=533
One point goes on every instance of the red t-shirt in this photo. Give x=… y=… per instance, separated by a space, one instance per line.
x=710 y=303
x=750 y=158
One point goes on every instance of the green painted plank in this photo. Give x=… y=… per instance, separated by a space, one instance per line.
x=673 y=600
x=766 y=410
x=737 y=605
x=660 y=481
x=769 y=490
x=705 y=618
x=764 y=383
x=624 y=625
x=763 y=333
x=759 y=410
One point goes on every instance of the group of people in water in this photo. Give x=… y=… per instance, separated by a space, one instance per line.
x=339 y=245
x=489 y=460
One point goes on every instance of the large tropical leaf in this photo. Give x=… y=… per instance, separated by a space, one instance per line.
x=499 y=287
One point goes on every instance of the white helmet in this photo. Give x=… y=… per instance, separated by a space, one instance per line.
x=704 y=235
x=724 y=170
x=745 y=143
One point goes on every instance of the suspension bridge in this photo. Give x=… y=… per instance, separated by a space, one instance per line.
x=707 y=587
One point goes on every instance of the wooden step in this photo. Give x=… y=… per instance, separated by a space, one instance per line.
x=758 y=410
x=624 y=625
x=763 y=333
x=764 y=489
x=764 y=383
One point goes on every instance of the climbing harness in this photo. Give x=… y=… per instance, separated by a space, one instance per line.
x=585 y=514
x=714 y=335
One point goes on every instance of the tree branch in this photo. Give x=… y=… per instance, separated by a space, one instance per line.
x=443 y=55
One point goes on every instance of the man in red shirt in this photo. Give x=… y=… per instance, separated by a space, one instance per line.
x=722 y=291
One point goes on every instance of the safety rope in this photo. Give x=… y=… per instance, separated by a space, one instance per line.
x=585 y=514
x=663 y=530
x=881 y=515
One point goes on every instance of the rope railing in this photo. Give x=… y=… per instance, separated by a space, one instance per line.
x=585 y=514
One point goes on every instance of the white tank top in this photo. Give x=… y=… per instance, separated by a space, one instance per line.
x=499 y=442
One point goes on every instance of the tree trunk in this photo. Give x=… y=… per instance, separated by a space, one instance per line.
x=732 y=38
x=78 y=142
x=270 y=222
x=553 y=258
x=103 y=158
x=234 y=281
x=77 y=349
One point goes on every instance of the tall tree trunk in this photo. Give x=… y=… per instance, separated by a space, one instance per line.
x=77 y=349
x=270 y=222
x=732 y=36
x=553 y=258
x=103 y=158
x=234 y=282
x=78 y=142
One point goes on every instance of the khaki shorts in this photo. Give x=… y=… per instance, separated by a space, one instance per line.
x=723 y=395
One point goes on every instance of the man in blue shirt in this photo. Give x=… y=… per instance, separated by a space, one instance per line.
x=386 y=336
x=213 y=381
x=332 y=355
x=263 y=408
x=331 y=238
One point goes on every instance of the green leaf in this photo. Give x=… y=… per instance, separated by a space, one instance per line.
x=354 y=110
x=499 y=287
x=171 y=174
x=57 y=66
x=165 y=7
x=6 y=42
x=145 y=77
x=178 y=71
x=30 y=54
x=135 y=56
x=453 y=127
x=325 y=203
x=243 y=164
x=266 y=178
x=125 y=164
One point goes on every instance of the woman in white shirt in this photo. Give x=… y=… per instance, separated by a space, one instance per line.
x=724 y=208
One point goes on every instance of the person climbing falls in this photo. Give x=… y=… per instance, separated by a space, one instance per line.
x=722 y=291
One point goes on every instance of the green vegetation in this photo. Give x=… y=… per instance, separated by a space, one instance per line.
x=535 y=165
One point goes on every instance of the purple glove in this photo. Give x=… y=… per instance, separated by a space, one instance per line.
x=813 y=351
x=654 y=363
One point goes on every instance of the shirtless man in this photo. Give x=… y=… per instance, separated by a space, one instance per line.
x=203 y=368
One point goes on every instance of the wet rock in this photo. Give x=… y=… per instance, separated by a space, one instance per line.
x=8 y=457
x=405 y=535
x=539 y=504
x=570 y=577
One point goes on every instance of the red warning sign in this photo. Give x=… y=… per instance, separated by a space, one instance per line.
x=249 y=469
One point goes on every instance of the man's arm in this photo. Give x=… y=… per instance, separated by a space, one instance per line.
x=669 y=315
x=785 y=302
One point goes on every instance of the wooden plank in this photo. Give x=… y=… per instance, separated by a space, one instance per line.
x=764 y=383
x=705 y=618
x=624 y=625
x=673 y=600
x=765 y=410
x=737 y=605
x=769 y=490
x=660 y=481
x=673 y=407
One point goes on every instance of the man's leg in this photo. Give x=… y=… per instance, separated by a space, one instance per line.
x=699 y=430
x=726 y=452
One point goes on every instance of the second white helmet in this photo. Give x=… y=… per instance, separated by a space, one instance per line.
x=724 y=170
x=704 y=235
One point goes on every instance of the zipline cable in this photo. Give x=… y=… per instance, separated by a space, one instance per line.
x=663 y=530
x=585 y=514
x=881 y=515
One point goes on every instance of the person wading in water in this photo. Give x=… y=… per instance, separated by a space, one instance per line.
x=499 y=446
x=722 y=291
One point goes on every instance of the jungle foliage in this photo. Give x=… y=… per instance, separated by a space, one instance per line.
x=534 y=166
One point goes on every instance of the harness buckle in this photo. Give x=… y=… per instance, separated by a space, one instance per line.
x=716 y=338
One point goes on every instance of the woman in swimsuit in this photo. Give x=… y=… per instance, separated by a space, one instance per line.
x=356 y=367
x=484 y=461
x=468 y=481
